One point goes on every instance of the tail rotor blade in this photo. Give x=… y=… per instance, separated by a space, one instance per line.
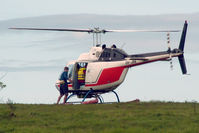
x=182 y=64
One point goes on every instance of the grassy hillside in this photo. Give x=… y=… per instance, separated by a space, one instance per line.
x=152 y=117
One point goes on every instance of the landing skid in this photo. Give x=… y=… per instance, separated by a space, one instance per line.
x=90 y=94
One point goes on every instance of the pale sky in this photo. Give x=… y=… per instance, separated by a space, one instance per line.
x=27 y=8
x=34 y=60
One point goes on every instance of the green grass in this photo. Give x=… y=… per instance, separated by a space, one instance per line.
x=151 y=117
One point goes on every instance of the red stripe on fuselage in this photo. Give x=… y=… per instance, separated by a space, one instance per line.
x=70 y=85
x=109 y=75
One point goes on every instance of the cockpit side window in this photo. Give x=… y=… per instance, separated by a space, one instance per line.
x=112 y=54
x=106 y=54
x=118 y=55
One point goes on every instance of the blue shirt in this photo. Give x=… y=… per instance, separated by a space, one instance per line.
x=64 y=76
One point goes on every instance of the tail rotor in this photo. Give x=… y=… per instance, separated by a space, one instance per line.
x=169 y=51
x=179 y=51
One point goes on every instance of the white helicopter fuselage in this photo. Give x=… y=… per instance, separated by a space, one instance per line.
x=106 y=68
x=103 y=76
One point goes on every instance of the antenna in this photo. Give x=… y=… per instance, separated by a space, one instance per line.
x=3 y=76
x=123 y=45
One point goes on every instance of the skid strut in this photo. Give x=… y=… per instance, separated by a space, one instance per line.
x=70 y=96
x=100 y=98
x=86 y=95
x=118 y=100
x=97 y=96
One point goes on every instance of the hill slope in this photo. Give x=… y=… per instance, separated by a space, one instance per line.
x=124 y=117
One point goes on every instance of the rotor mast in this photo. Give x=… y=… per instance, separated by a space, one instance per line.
x=97 y=36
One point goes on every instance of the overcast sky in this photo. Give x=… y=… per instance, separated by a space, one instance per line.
x=27 y=8
x=34 y=60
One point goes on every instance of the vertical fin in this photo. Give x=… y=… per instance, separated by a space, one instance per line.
x=181 y=47
x=183 y=36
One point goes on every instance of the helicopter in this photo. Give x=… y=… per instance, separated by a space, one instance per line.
x=104 y=68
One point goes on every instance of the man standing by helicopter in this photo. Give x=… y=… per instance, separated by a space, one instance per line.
x=63 y=85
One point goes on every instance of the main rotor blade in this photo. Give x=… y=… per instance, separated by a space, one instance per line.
x=73 y=30
x=142 y=30
x=95 y=30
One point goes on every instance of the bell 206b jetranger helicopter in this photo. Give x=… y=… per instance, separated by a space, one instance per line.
x=103 y=69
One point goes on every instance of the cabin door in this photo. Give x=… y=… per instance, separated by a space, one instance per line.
x=75 y=77
x=79 y=74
